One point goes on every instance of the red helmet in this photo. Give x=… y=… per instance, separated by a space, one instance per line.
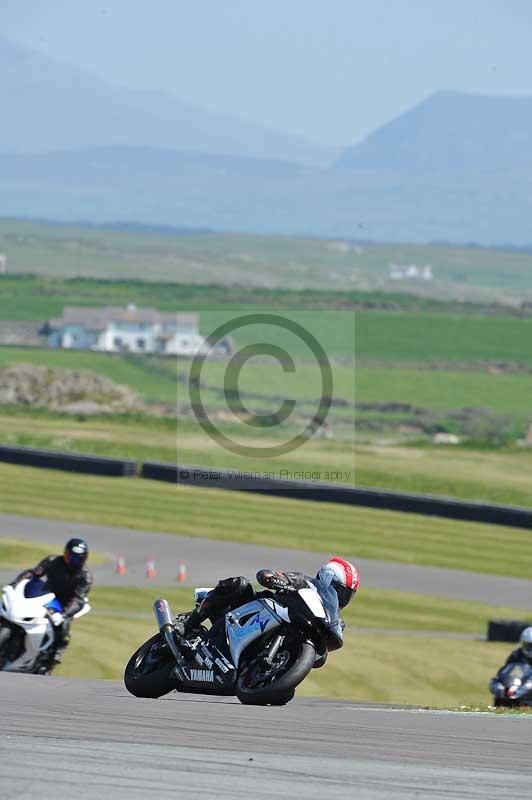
x=345 y=578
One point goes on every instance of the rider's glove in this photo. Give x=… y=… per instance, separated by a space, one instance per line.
x=522 y=690
x=56 y=619
x=272 y=580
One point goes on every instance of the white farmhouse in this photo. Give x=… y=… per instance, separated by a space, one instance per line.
x=133 y=330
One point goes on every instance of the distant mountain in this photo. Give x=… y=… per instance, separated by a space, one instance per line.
x=228 y=193
x=455 y=168
x=450 y=131
x=154 y=186
x=49 y=105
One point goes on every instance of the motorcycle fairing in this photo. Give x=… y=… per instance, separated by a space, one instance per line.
x=245 y=624
x=520 y=676
x=31 y=615
x=207 y=670
x=212 y=666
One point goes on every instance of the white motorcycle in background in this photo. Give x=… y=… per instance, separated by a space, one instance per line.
x=26 y=628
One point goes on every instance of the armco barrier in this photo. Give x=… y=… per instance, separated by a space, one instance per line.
x=505 y=630
x=70 y=462
x=512 y=516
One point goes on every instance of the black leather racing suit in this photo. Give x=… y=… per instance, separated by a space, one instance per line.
x=70 y=586
x=516 y=657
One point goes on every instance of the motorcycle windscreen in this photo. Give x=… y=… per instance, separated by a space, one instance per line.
x=36 y=588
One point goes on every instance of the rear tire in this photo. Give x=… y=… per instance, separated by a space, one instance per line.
x=280 y=689
x=148 y=671
x=5 y=636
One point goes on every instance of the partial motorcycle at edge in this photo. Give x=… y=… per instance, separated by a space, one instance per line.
x=26 y=628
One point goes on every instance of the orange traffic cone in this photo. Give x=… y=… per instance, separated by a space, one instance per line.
x=182 y=572
x=151 y=572
x=120 y=568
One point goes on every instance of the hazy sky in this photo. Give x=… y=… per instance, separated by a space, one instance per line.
x=329 y=70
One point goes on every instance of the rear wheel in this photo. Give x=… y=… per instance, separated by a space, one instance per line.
x=261 y=683
x=148 y=671
x=5 y=635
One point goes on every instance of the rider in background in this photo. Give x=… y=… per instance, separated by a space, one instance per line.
x=521 y=655
x=336 y=582
x=64 y=575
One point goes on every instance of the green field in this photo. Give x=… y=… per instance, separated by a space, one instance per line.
x=261 y=261
x=402 y=331
x=255 y=519
x=404 y=667
x=422 y=365
x=502 y=476
x=444 y=389
x=394 y=336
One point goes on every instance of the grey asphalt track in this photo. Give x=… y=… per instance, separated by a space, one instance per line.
x=90 y=739
x=209 y=560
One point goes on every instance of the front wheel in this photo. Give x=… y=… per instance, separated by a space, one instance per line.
x=148 y=671
x=260 y=683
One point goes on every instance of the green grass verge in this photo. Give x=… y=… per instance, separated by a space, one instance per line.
x=503 y=476
x=15 y=554
x=497 y=477
x=373 y=667
x=422 y=671
x=255 y=519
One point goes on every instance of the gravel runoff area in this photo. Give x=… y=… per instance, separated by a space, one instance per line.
x=89 y=739
x=207 y=560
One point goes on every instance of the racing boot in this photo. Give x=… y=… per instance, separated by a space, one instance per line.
x=188 y=625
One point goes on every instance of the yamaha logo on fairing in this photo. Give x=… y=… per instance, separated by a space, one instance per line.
x=202 y=675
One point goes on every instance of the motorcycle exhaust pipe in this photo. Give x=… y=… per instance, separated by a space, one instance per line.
x=161 y=609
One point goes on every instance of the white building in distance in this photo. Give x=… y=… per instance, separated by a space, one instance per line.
x=129 y=330
x=400 y=272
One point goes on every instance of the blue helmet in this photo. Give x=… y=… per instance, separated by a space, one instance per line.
x=75 y=554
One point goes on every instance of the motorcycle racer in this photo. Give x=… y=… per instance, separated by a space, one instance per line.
x=65 y=575
x=336 y=582
x=521 y=655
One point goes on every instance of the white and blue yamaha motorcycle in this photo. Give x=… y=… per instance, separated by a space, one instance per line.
x=26 y=629
x=259 y=651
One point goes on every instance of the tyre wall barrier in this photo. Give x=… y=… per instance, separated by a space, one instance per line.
x=70 y=462
x=512 y=516
x=505 y=630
